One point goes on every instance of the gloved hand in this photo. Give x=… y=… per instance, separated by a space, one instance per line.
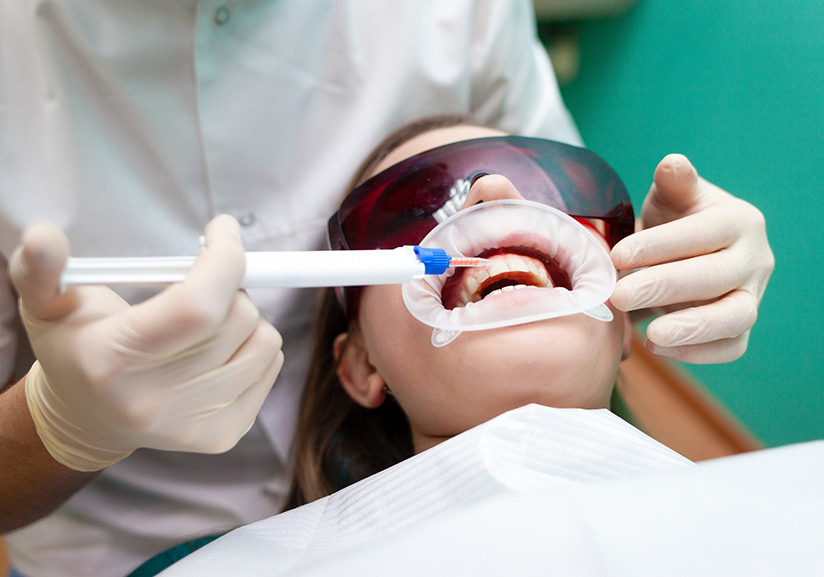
x=708 y=261
x=186 y=370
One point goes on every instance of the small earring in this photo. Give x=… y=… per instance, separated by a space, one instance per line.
x=387 y=391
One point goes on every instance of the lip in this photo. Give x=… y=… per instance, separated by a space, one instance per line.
x=510 y=225
x=531 y=246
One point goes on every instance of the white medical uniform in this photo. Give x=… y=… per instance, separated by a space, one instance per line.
x=131 y=123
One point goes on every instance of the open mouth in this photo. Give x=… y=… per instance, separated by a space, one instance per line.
x=544 y=265
x=514 y=267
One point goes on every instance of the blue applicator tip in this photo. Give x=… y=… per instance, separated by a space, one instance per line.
x=435 y=260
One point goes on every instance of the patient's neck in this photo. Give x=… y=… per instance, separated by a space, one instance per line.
x=423 y=442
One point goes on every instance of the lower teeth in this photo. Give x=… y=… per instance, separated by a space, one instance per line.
x=507 y=289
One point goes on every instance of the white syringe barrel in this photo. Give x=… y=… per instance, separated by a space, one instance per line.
x=263 y=269
x=332 y=268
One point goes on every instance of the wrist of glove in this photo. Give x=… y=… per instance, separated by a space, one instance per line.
x=67 y=444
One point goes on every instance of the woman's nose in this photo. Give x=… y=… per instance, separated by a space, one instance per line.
x=491 y=187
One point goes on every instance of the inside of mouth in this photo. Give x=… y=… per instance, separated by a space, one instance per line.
x=509 y=280
x=557 y=276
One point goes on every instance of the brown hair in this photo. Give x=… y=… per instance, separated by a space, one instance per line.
x=338 y=441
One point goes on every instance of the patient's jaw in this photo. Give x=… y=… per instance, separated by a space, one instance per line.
x=569 y=361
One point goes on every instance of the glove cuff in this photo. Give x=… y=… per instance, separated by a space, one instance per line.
x=64 y=442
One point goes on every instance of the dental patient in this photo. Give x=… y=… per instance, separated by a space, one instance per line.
x=481 y=380
x=379 y=391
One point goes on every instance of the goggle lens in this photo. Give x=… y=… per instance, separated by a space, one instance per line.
x=402 y=204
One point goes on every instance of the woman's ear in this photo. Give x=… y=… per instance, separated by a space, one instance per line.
x=359 y=378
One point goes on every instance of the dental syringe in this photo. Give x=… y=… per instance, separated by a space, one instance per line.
x=326 y=268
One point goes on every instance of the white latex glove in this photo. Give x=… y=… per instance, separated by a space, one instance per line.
x=186 y=370
x=708 y=261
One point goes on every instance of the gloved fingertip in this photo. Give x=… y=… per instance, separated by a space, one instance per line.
x=622 y=256
x=675 y=181
x=676 y=166
x=41 y=254
x=665 y=334
x=621 y=297
x=666 y=352
x=224 y=224
x=35 y=269
x=655 y=335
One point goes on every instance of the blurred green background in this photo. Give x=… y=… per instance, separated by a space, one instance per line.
x=738 y=87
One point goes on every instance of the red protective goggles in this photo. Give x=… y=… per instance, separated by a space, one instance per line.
x=400 y=205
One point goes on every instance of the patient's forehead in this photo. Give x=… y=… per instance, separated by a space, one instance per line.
x=433 y=139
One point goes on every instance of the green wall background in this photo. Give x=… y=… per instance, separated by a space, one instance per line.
x=738 y=87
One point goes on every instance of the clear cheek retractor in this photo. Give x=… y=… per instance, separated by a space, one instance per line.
x=514 y=223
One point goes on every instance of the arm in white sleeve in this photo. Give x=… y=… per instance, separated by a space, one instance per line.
x=514 y=86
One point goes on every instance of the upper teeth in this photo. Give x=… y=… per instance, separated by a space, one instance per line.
x=502 y=264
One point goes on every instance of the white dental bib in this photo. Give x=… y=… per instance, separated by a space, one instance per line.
x=508 y=223
x=533 y=450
